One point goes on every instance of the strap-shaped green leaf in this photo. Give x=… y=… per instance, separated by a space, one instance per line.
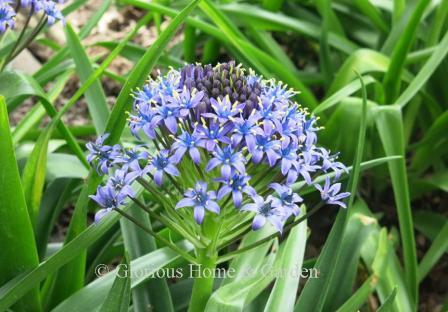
x=95 y=96
x=119 y=296
x=18 y=251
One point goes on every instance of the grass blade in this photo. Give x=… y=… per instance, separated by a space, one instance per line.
x=138 y=243
x=425 y=73
x=88 y=298
x=283 y=294
x=19 y=252
x=119 y=296
x=355 y=302
x=390 y=128
x=391 y=83
x=33 y=177
x=438 y=247
x=315 y=292
x=95 y=97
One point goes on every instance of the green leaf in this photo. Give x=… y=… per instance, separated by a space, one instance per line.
x=343 y=93
x=235 y=295
x=280 y=21
x=429 y=223
x=387 y=305
x=436 y=28
x=315 y=292
x=95 y=97
x=119 y=296
x=438 y=247
x=190 y=44
x=333 y=24
x=138 y=243
x=355 y=302
x=35 y=115
x=373 y=13
x=15 y=85
x=21 y=285
x=392 y=277
x=390 y=128
x=272 y=5
x=250 y=260
x=142 y=269
x=19 y=252
x=362 y=61
x=424 y=73
x=391 y=83
x=358 y=229
x=61 y=165
x=283 y=294
x=33 y=177
x=53 y=202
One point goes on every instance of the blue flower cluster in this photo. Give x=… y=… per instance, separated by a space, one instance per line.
x=7 y=15
x=48 y=7
x=226 y=127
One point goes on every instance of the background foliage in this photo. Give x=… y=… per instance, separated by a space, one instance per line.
x=390 y=123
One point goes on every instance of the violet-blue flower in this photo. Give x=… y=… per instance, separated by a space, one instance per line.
x=121 y=182
x=52 y=12
x=162 y=163
x=169 y=114
x=130 y=159
x=187 y=142
x=186 y=100
x=146 y=119
x=200 y=199
x=264 y=212
x=264 y=145
x=228 y=159
x=287 y=200
x=237 y=185
x=213 y=134
x=328 y=162
x=102 y=154
x=330 y=193
x=246 y=129
x=224 y=110
x=288 y=156
x=108 y=198
x=7 y=16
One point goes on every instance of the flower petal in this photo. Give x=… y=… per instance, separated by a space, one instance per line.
x=258 y=222
x=186 y=202
x=199 y=213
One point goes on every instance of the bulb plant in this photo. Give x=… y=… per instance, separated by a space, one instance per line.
x=47 y=12
x=221 y=150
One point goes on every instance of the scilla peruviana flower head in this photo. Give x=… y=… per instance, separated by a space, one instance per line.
x=223 y=144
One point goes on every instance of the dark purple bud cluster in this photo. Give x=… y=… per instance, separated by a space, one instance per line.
x=226 y=79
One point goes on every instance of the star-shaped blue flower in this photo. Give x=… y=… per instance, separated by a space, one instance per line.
x=200 y=199
x=330 y=193
x=228 y=159
x=264 y=212
x=237 y=185
x=162 y=163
